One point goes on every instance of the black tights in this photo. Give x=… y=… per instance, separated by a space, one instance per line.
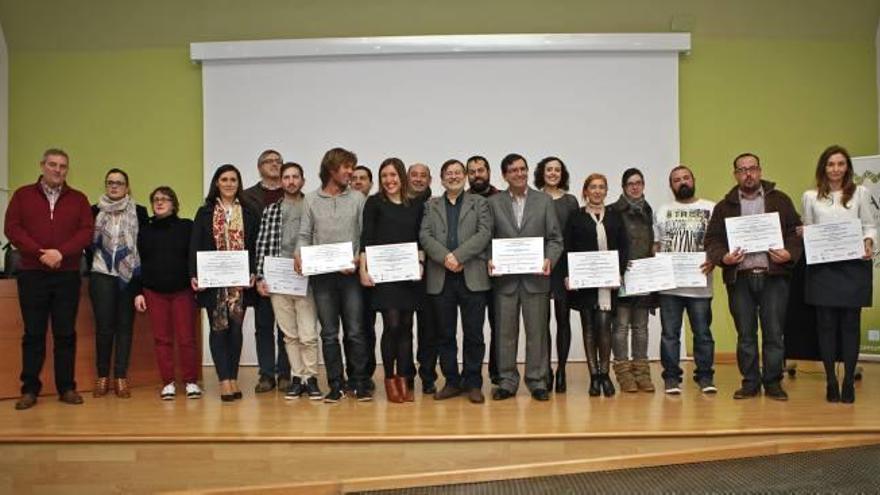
x=596 y=325
x=396 y=343
x=562 y=313
x=839 y=325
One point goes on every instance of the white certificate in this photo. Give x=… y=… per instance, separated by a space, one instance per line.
x=518 y=255
x=754 y=233
x=687 y=268
x=223 y=269
x=393 y=262
x=834 y=241
x=282 y=279
x=649 y=275
x=327 y=258
x=593 y=269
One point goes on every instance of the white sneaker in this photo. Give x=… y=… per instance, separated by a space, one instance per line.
x=193 y=391
x=168 y=392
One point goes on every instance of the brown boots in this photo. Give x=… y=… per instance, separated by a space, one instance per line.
x=624 y=373
x=398 y=390
x=641 y=370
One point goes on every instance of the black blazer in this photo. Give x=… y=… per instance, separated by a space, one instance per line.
x=580 y=235
x=203 y=240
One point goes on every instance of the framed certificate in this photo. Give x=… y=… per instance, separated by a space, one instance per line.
x=834 y=241
x=518 y=255
x=327 y=258
x=588 y=269
x=754 y=233
x=281 y=277
x=393 y=262
x=222 y=269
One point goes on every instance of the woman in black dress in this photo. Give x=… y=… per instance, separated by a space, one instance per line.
x=391 y=217
x=224 y=223
x=596 y=228
x=551 y=176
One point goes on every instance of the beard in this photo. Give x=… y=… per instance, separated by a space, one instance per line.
x=685 y=192
x=479 y=185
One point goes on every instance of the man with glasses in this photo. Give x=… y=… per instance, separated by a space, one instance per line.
x=257 y=197
x=757 y=283
x=50 y=224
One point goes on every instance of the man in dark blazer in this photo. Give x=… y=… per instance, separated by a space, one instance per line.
x=455 y=235
x=521 y=211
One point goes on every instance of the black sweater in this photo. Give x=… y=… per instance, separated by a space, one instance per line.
x=163 y=244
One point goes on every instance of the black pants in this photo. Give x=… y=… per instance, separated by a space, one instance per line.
x=426 y=353
x=369 y=336
x=226 y=350
x=838 y=329
x=493 y=337
x=41 y=295
x=113 y=305
x=455 y=296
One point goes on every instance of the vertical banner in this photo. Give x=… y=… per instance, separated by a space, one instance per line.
x=867 y=173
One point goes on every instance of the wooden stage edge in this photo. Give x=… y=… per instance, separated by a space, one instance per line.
x=574 y=466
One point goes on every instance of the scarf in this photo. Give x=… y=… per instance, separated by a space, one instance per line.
x=604 y=299
x=638 y=207
x=115 y=239
x=228 y=230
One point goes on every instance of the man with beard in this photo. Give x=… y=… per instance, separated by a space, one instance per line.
x=419 y=177
x=257 y=197
x=757 y=283
x=680 y=226
x=478 y=174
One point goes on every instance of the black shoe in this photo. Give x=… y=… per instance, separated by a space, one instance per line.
x=848 y=393
x=607 y=386
x=832 y=392
x=295 y=390
x=347 y=386
x=312 y=389
x=27 y=401
x=501 y=394
x=560 y=381
x=447 y=392
x=363 y=394
x=775 y=392
x=428 y=388
x=541 y=394
x=334 y=395
x=371 y=385
x=266 y=384
x=746 y=392
x=227 y=397
x=237 y=395
x=595 y=386
x=284 y=383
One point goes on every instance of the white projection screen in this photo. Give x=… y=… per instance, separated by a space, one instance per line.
x=601 y=102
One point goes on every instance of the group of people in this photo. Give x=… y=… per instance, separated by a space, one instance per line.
x=148 y=264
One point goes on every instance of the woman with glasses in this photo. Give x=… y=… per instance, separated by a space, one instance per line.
x=115 y=262
x=164 y=292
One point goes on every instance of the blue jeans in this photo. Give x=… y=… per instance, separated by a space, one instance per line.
x=339 y=297
x=750 y=297
x=266 y=338
x=456 y=296
x=699 y=310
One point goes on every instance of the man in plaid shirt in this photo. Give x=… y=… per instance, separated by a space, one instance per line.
x=295 y=315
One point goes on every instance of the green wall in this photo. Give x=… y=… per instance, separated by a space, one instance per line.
x=111 y=81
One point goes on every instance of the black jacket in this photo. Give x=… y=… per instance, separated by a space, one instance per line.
x=163 y=245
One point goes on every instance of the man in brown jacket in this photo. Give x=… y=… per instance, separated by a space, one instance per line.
x=757 y=282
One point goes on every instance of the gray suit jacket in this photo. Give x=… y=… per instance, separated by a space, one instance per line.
x=539 y=220
x=474 y=234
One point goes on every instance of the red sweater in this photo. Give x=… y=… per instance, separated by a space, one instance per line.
x=31 y=226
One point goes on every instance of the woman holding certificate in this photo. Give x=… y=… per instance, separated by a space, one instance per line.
x=391 y=217
x=224 y=223
x=115 y=262
x=551 y=176
x=596 y=228
x=839 y=289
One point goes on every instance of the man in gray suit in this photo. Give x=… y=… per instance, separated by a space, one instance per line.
x=455 y=233
x=521 y=211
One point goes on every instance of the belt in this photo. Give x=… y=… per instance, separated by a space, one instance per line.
x=755 y=271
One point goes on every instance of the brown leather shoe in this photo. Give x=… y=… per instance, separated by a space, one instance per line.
x=392 y=391
x=26 y=401
x=475 y=395
x=102 y=387
x=122 y=388
x=406 y=389
x=447 y=392
x=71 y=397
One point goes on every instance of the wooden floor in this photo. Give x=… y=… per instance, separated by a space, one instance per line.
x=146 y=445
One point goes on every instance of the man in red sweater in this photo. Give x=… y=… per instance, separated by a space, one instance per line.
x=50 y=224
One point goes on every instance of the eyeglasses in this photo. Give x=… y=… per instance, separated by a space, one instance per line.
x=270 y=160
x=635 y=183
x=160 y=199
x=115 y=183
x=747 y=170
